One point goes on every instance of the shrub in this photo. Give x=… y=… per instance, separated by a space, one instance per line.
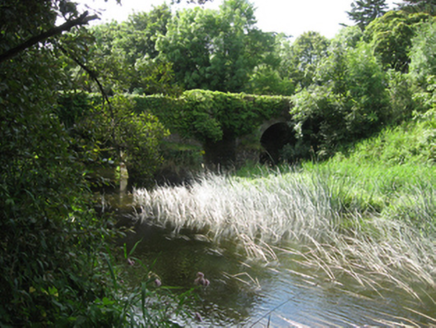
x=114 y=132
x=349 y=102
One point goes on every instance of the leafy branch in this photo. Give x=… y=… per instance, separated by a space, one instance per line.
x=91 y=74
x=81 y=20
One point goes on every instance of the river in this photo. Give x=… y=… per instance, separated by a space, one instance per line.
x=283 y=291
x=247 y=293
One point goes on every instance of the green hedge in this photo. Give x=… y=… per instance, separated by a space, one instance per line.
x=199 y=114
x=207 y=115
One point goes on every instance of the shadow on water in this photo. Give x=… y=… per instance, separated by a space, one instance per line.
x=244 y=293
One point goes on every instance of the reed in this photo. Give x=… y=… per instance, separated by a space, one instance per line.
x=337 y=216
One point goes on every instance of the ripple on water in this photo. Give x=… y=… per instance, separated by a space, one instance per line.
x=246 y=293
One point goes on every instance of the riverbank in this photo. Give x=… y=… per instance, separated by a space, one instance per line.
x=364 y=219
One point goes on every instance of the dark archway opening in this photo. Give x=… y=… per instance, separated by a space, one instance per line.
x=273 y=140
x=220 y=154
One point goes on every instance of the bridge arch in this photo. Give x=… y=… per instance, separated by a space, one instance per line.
x=267 y=124
x=274 y=135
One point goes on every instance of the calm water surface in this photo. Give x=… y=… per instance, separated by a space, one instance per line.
x=243 y=293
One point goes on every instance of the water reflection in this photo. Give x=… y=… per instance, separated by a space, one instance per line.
x=252 y=294
x=177 y=259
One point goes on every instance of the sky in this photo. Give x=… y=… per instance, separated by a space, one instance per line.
x=292 y=17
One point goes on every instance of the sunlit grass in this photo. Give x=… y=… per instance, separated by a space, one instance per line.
x=371 y=224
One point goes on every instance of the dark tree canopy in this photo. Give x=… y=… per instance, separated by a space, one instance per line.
x=364 y=12
x=41 y=184
x=52 y=241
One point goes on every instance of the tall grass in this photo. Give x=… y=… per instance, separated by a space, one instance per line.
x=340 y=220
x=369 y=215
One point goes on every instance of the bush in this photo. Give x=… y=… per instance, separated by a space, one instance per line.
x=349 y=102
x=114 y=132
x=401 y=97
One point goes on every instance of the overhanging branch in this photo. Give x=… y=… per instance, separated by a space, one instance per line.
x=91 y=74
x=81 y=20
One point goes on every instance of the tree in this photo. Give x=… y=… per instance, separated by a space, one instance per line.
x=391 y=37
x=123 y=55
x=364 y=12
x=423 y=53
x=349 y=100
x=304 y=55
x=423 y=65
x=46 y=29
x=215 y=50
x=113 y=133
x=49 y=235
x=139 y=33
x=51 y=240
x=265 y=80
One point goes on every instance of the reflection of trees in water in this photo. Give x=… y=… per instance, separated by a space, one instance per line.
x=176 y=259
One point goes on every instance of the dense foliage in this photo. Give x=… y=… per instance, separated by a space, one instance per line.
x=391 y=36
x=113 y=133
x=414 y=6
x=216 y=50
x=50 y=236
x=53 y=244
x=124 y=55
x=197 y=48
x=303 y=56
x=422 y=54
x=344 y=88
x=348 y=102
x=363 y=84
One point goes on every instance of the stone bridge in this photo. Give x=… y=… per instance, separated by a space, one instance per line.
x=253 y=127
x=263 y=145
